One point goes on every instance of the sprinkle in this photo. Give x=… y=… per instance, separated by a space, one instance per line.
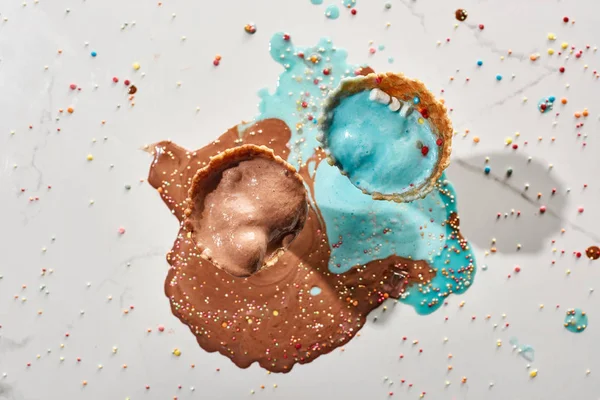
x=498 y=77
x=93 y=54
x=90 y=157
x=250 y=29
x=533 y=373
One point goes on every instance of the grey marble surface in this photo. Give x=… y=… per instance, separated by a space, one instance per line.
x=61 y=212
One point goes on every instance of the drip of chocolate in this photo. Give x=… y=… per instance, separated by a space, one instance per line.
x=593 y=252
x=461 y=14
x=245 y=207
x=295 y=310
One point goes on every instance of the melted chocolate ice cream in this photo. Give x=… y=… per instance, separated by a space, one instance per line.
x=245 y=207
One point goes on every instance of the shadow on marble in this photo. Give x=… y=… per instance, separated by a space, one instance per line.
x=481 y=197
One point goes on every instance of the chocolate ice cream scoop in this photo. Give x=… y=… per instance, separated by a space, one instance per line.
x=244 y=208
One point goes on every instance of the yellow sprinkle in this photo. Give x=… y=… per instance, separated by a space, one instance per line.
x=90 y=157
x=136 y=66
x=551 y=36
x=499 y=343
x=533 y=373
x=275 y=312
x=508 y=140
x=564 y=45
x=550 y=51
x=421 y=120
x=177 y=352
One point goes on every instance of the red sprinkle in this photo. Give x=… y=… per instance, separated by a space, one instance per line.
x=424 y=150
x=562 y=69
x=353 y=11
x=481 y=26
x=286 y=36
x=439 y=142
x=326 y=71
x=216 y=62
x=542 y=209
x=73 y=86
x=565 y=19
x=126 y=82
x=115 y=79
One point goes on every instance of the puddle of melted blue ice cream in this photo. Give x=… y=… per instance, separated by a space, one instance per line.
x=381 y=150
x=359 y=228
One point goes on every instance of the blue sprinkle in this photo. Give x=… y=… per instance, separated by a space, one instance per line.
x=416 y=100
x=479 y=62
x=315 y=291
x=551 y=99
x=498 y=77
x=381 y=47
x=391 y=60
x=487 y=170
x=93 y=54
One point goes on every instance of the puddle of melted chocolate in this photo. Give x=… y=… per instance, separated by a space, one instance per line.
x=270 y=317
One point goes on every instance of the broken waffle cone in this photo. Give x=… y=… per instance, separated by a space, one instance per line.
x=400 y=90
x=245 y=208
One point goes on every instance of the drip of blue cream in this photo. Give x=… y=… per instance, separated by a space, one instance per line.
x=545 y=104
x=576 y=320
x=332 y=11
x=381 y=150
x=361 y=229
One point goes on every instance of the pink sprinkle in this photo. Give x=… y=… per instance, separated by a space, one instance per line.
x=161 y=328
x=542 y=209
x=73 y=86
x=121 y=230
x=580 y=209
x=372 y=50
